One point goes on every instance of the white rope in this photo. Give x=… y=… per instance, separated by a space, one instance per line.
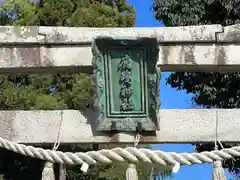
x=130 y=154
x=131 y=171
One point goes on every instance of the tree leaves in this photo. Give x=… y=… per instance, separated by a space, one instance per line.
x=196 y=12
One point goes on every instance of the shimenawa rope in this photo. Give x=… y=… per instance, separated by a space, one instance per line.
x=130 y=154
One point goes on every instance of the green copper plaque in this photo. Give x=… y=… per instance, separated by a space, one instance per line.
x=126 y=81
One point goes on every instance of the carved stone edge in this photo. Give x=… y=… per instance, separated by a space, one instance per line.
x=101 y=123
x=156 y=95
x=21 y=35
x=85 y=35
x=230 y=34
x=82 y=35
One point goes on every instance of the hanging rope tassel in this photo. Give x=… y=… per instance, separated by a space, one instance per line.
x=218 y=171
x=48 y=172
x=131 y=172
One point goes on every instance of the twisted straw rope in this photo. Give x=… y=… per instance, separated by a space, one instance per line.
x=129 y=154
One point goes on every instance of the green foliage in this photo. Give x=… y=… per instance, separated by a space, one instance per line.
x=32 y=91
x=196 y=12
x=117 y=171
x=76 y=13
x=210 y=90
x=19 y=12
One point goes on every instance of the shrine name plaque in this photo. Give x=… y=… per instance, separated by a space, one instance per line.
x=126 y=82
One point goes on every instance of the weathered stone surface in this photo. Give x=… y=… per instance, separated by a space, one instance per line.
x=174 y=57
x=230 y=34
x=20 y=57
x=43 y=127
x=20 y=34
x=33 y=58
x=66 y=35
x=186 y=55
x=199 y=57
x=168 y=34
x=6 y=121
x=189 y=48
x=204 y=33
x=66 y=56
x=176 y=126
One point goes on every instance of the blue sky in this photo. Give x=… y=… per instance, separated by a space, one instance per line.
x=145 y=18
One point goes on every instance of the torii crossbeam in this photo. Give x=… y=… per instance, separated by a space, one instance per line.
x=67 y=49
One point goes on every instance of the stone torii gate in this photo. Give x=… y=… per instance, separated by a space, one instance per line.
x=68 y=49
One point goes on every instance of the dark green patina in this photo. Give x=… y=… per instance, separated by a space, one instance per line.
x=127 y=83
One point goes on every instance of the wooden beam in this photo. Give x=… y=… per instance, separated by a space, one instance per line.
x=176 y=126
x=68 y=49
